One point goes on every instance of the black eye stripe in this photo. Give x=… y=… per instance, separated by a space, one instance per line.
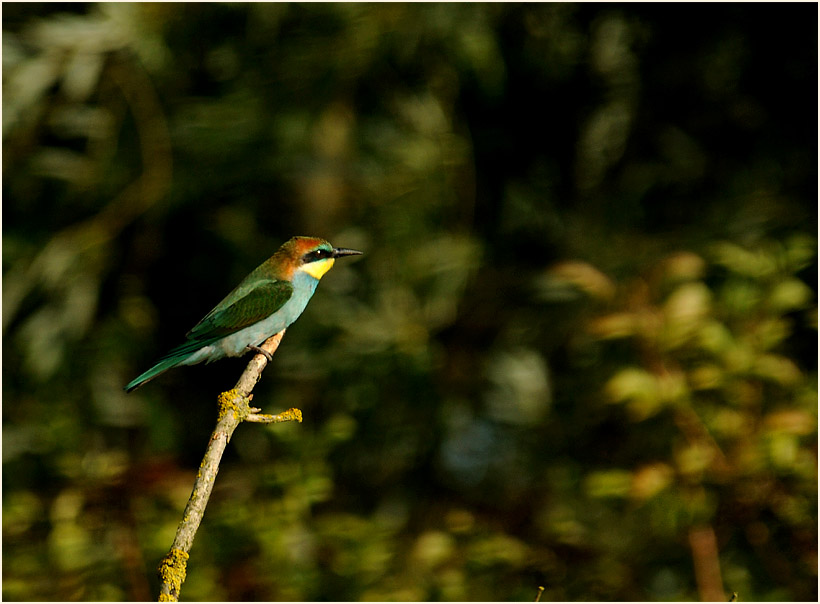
x=316 y=255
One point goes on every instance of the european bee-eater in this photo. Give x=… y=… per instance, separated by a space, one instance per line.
x=263 y=304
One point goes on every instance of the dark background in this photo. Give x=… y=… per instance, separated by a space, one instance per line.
x=580 y=351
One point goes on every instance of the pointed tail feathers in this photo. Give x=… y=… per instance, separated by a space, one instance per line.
x=161 y=367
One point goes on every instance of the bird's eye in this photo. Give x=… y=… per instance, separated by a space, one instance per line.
x=315 y=255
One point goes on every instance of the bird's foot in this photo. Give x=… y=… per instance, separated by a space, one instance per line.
x=261 y=351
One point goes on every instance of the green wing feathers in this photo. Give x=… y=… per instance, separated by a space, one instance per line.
x=242 y=308
x=229 y=316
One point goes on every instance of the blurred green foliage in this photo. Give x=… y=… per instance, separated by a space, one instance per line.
x=580 y=352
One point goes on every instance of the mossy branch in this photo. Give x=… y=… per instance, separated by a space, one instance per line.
x=234 y=408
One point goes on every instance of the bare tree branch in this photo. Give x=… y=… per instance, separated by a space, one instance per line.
x=703 y=542
x=234 y=408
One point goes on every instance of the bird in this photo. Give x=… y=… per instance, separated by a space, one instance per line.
x=264 y=303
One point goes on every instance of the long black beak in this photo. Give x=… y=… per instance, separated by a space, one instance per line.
x=343 y=251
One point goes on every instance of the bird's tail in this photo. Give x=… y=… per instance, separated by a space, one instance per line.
x=161 y=367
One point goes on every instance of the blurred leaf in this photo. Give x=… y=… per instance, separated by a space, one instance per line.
x=583 y=276
x=610 y=483
x=685 y=311
x=790 y=295
x=433 y=548
x=749 y=263
x=650 y=480
x=778 y=369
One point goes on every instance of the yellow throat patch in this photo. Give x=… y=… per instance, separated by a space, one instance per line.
x=319 y=268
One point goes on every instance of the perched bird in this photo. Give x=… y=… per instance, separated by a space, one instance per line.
x=263 y=304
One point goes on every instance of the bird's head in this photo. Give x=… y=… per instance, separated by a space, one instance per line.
x=312 y=255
